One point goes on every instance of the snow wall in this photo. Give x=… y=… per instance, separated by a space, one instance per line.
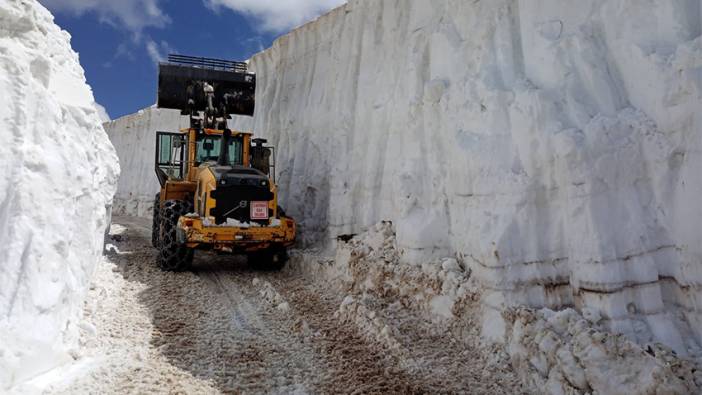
x=134 y=137
x=553 y=146
x=58 y=173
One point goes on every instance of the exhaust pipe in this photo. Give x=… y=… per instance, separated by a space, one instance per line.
x=223 y=159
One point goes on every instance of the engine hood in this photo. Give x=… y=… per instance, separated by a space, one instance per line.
x=239 y=175
x=237 y=186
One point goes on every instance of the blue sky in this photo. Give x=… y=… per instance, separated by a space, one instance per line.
x=120 y=41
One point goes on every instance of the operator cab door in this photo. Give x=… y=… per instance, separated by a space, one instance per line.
x=170 y=154
x=263 y=158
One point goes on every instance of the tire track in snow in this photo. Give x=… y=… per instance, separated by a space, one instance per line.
x=214 y=323
x=227 y=331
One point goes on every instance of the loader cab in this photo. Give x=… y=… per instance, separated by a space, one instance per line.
x=178 y=154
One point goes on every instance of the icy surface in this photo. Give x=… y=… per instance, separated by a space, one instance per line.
x=57 y=176
x=553 y=147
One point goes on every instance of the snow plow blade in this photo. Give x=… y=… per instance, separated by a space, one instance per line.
x=194 y=233
x=182 y=79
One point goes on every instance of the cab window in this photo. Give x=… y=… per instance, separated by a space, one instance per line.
x=208 y=149
x=170 y=151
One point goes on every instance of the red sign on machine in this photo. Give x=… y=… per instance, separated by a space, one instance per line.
x=259 y=210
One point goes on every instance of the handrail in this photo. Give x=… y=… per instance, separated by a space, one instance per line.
x=209 y=63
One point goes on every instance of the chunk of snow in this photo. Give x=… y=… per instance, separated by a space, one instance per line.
x=450 y=265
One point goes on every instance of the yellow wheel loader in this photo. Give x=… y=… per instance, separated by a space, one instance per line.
x=218 y=188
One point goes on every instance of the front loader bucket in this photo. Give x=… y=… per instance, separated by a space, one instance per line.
x=181 y=82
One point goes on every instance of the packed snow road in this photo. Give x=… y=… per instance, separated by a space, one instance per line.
x=227 y=328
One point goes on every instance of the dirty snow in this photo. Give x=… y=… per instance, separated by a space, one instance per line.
x=58 y=173
x=358 y=322
x=226 y=328
x=551 y=352
x=562 y=352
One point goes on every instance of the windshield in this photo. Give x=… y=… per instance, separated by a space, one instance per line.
x=208 y=149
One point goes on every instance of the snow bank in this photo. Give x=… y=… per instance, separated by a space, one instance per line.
x=368 y=267
x=552 y=352
x=561 y=353
x=554 y=147
x=370 y=264
x=57 y=176
x=134 y=137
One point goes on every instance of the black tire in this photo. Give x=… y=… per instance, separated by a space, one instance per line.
x=172 y=255
x=156 y=223
x=269 y=260
x=281 y=212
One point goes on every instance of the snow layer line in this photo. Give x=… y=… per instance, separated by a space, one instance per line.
x=57 y=176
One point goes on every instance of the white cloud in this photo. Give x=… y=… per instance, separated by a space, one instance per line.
x=133 y=15
x=158 y=51
x=278 y=15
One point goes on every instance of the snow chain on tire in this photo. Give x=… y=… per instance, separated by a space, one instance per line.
x=156 y=224
x=173 y=256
